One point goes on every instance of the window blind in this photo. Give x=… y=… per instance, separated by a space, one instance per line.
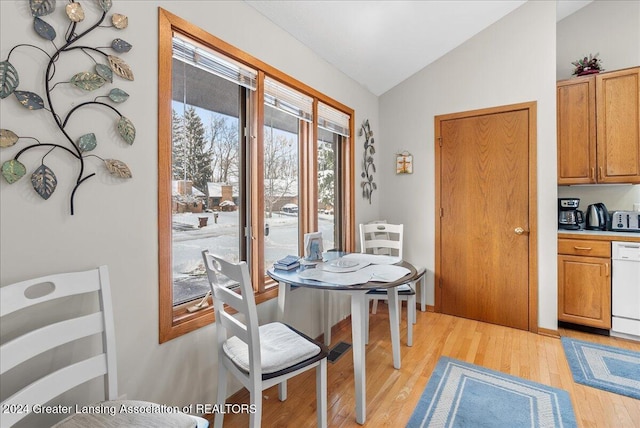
x=333 y=120
x=288 y=100
x=220 y=65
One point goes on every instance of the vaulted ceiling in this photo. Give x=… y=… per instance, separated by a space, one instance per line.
x=381 y=43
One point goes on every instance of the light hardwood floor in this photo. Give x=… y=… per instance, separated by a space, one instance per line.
x=393 y=394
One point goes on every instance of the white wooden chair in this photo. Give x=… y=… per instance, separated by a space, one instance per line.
x=387 y=239
x=259 y=356
x=18 y=299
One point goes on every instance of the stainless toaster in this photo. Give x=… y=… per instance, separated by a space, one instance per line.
x=626 y=221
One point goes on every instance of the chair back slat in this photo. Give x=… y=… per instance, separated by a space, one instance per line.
x=43 y=339
x=382 y=238
x=14 y=297
x=54 y=384
x=231 y=298
x=233 y=326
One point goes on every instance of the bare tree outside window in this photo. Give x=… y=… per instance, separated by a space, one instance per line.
x=280 y=171
x=225 y=149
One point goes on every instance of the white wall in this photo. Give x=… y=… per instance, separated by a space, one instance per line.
x=512 y=61
x=116 y=222
x=608 y=27
x=612 y=29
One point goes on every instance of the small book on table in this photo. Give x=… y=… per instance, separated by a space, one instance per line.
x=287 y=263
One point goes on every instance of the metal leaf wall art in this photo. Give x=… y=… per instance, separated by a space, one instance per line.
x=97 y=74
x=368 y=167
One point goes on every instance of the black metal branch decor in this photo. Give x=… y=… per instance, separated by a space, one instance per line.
x=104 y=66
x=368 y=167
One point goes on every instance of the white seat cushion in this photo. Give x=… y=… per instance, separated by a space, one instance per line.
x=405 y=288
x=127 y=413
x=280 y=347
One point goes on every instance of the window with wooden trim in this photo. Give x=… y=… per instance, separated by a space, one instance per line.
x=249 y=160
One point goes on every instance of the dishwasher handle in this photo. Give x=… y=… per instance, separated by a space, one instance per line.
x=625 y=251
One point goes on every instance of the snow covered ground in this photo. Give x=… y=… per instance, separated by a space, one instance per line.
x=222 y=238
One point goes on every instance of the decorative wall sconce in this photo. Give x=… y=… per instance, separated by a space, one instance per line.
x=43 y=179
x=404 y=163
x=368 y=167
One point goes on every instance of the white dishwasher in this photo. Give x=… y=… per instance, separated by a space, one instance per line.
x=625 y=289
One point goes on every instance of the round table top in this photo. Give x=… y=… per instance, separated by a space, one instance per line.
x=292 y=277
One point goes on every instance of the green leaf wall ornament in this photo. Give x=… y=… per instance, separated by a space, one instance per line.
x=118 y=95
x=13 y=170
x=127 y=130
x=105 y=72
x=42 y=7
x=9 y=79
x=105 y=5
x=87 y=142
x=105 y=66
x=87 y=81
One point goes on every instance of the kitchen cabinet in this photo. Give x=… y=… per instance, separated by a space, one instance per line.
x=584 y=282
x=598 y=128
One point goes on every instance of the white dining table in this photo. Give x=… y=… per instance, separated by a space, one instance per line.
x=359 y=305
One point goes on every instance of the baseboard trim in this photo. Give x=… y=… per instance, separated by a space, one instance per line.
x=345 y=323
x=548 y=332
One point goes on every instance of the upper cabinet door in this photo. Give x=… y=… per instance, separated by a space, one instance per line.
x=576 y=126
x=618 y=115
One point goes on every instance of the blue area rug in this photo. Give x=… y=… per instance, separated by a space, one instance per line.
x=461 y=395
x=604 y=367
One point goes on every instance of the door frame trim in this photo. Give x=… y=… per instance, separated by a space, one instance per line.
x=531 y=109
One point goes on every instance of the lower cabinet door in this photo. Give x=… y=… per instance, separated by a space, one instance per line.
x=584 y=291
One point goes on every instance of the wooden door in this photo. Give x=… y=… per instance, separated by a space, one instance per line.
x=485 y=258
x=576 y=127
x=618 y=115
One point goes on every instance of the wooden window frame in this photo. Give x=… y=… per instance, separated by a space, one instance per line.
x=175 y=321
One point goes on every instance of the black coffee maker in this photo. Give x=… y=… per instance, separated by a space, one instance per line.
x=569 y=216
